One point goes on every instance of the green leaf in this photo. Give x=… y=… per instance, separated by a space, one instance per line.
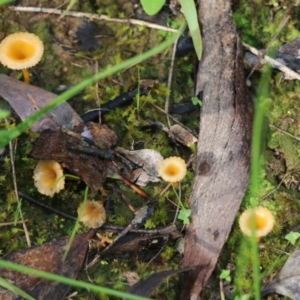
x=184 y=215
x=152 y=7
x=4 y=114
x=292 y=237
x=190 y=13
x=196 y=101
x=225 y=274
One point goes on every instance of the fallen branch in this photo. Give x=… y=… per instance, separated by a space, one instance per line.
x=90 y=16
x=223 y=150
x=289 y=74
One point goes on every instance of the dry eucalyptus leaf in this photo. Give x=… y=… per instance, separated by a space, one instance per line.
x=287 y=283
x=27 y=99
x=148 y=161
x=47 y=257
x=146 y=287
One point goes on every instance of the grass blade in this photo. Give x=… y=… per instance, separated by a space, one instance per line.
x=190 y=13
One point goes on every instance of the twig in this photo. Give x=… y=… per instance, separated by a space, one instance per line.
x=263 y=53
x=277 y=187
x=285 y=132
x=11 y=223
x=121 y=234
x=91 y=16
x=174 y=119
x=125 y=199
x=289 y=74
x=36 y=202
x=167 y=103
x=12 y=162
x=178 y=205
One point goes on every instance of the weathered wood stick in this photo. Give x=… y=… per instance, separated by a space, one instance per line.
x=223 y=154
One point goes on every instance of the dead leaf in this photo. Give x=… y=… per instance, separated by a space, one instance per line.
x=287 y=283
x=146 y=287
x=27 y=99
x=177 y=133
x=48 y=258
x=102 y=135
x=289 y=54
x=148 y=161
x=182 y=136
x=143 y=246
x=131 y=277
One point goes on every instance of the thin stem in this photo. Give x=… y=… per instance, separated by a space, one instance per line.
x=19 y=210
x=26 y=75
x=76 y=226
x=178 y=198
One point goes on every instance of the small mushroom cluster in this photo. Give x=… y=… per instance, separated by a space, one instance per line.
x=49 y=179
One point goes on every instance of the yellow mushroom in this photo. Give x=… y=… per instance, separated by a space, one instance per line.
x=20 y=51
x=92 y=214
x=172 y=169
x=264 y=221
x=48 y=177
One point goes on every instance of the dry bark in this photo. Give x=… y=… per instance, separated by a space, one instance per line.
x=223 y=154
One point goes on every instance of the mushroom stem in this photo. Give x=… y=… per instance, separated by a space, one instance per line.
x=26 y=75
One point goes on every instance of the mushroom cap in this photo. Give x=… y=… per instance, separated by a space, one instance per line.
x=21 y=50
x=264 y=221
x=93 y=214
x=46 y=175
x=172 y=169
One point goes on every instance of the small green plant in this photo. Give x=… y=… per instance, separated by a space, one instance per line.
x=225 y=274
x=184 y=213
x=196 y=101
x=292 y=237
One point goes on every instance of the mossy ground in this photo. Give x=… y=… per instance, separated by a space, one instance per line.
x=65 y=64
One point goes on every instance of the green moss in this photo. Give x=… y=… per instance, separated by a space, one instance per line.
x=259 y=22
x=251 y=18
